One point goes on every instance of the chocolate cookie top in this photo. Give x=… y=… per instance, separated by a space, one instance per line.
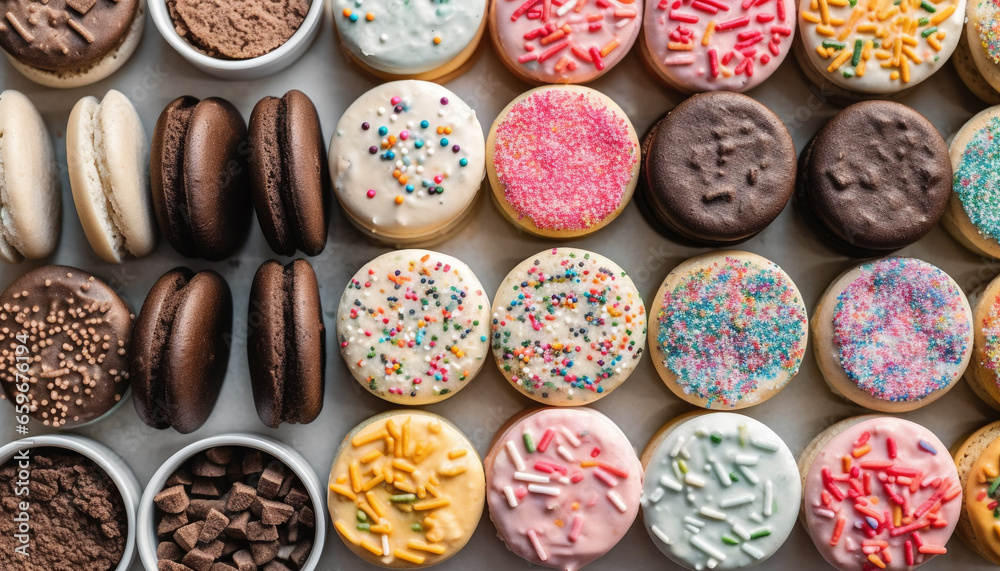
x=719 y=167
x=877 y=176
x=61 y=35
x=75 y=332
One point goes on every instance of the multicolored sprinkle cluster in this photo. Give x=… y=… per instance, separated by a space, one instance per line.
x=728 y=328
x=987 y=22
x=991 y=334
x=356 y=15
x=568 y=323
x=977 y=180
x=891 y=31
x=405 y=148
x=564 y=159
x=902 y=329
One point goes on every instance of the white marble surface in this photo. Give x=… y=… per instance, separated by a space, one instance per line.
x=491 y=246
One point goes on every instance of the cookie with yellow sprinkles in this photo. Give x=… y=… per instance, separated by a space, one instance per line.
x=876 y=47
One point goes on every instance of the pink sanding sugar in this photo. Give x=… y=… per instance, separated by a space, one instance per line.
x=564 y=159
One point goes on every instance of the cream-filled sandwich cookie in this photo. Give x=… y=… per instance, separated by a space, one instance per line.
x=716 y=45
x=729 y=330
x=407 y=161
x=406 y=490
x=876 y=47
x=878 y=492
x=893 y=335
x=977 y=459
x=568 y=326
x=720 y=491
x=563 y=486
x=973 y=212
x=417 y=39
x=563 y=161
x=413 y=326
x=563 y=41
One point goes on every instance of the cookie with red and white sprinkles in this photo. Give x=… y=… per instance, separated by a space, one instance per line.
x=716 y=45
x=563 y=41
x=563 y=161
x=568 y=326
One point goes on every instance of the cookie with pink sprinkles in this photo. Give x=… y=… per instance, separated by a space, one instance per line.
x=563 y=161
x=893 y=335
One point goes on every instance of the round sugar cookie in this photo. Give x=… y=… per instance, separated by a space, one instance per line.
x=575 y=41
x=418 y=39
x=979 y=67
x=878 y=491
x=563 y=486
x=716 y=45
x=892 y=335
x=413 y=326
x=977 y=459
x=407 y=160
x=568 y=326
x=728 y=330
x=406 y=490
x=973 y=212
x=983 y=374
x=563 y=161
x=720 y=491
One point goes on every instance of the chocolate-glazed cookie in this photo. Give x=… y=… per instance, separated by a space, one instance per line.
x=63 y=35
x=876 y=178
x=717 y=169
x=76 y=333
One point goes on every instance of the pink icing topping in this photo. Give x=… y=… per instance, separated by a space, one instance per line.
x=564 y=159
x=883 y=491
x=563 y=486
x=708 y=45
x=566 y=41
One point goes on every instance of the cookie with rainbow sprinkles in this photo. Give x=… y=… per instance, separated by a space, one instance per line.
x=568 y=326
x=983 y=374
x=973 y=212
x=893 y=335
x=728 y=330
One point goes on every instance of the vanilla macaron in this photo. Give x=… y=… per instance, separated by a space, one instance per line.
x=108 y=157
x=29 y=182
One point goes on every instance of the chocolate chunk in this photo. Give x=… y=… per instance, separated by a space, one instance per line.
x=173 y=500
x=271 y=480
x=219 y=455
x=170 y=523
x=181 y=477
x=205 y=487
x=199 y=508
x=292 y=531
x=237 y=528
x=169 y=551
x=286 y=486
x=275 y=565
x=244 y=560
x=222 y=567
x=198 y=560
x=214 y=548
x=187 y=536
x=229 y=547
x=263 y=551
x=306 y=517
x=253 y=462
x=162 y=565
x=202 y=466
x=256 y=531
x=301 y=553
x=296 y=497
x=214 y=524
x=272 y=512
x=241 y=497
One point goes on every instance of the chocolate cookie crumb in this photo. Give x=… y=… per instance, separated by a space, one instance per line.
x=237 y=29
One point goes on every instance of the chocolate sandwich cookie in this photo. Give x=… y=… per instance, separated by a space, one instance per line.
x=66 y=338
x=288 y=174
x=180 y=349
x=876 y=178
x=286 y=348
x=198 y=174
x=716 y=170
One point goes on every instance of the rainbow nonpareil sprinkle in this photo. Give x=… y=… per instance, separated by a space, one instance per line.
x=991 y=334
x=902 y=329
x=730 y=327
x=977 y=180
x=987 y=24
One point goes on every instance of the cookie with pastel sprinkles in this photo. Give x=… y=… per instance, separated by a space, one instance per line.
x=415 y=39
x=977 y=58
x=879 y=492
x=407 y=161
x=983 y=374
x=973 y=213
x=880 y=47
x=893 y=335
x=413 y=326
x=563 y=161
x=728 y=330
x=568 y=326
x=720 y=491
x=569 y=41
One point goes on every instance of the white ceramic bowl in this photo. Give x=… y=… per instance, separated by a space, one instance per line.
x=252 y=68
x=115 y=467
x=146 y=525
